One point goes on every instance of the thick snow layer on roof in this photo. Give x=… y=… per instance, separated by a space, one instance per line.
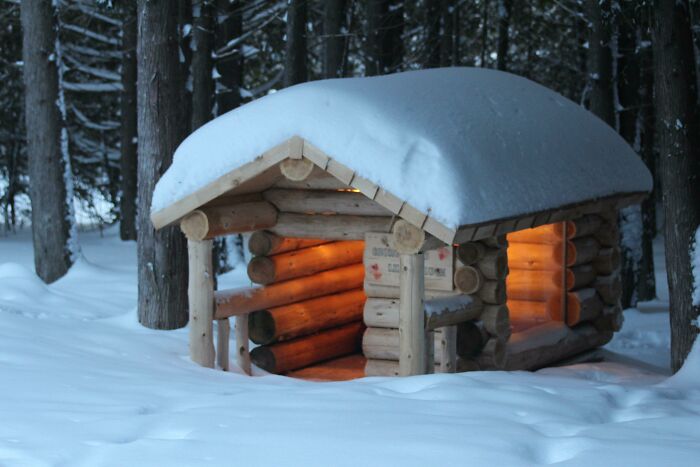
x=466 y=145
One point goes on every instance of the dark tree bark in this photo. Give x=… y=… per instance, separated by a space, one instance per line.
x=127 y=202
x=47 y=189
x=504 y=11
x=202 y=65
x=162 y=258
x=295 y=67
x=679 y=131
x=384 y=45
x=335 y=41
x=229 y=26
x=376 y=11
x=646 y=282
x=433 y=16
x=484 y=31
x=184 y=26
x=600 y=60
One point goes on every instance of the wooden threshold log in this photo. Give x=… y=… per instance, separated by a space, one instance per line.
x=543 y=345
x=324 y=202
x=440 y=312
x=209 y=222
x=333 y=227
x=242 y=301
x=535 y=256
x=263 y=243
x=200 y=293
x=293 y=264
x=304 y=351
x=302 y=318
x=468 y=279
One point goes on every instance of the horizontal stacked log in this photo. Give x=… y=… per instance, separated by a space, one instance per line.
x=308 y=308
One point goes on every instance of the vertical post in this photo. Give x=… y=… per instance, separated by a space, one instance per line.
x=223 y=327
x=242 y=351
x=429 y=351
x=200 y=293
x=448 y=349
x=412 y=351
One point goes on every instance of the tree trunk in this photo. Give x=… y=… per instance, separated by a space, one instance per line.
x=127 y=202
x=433 y=14
x=679 y=130
x=162 y=258
x=229 y=26
x=600 y=68
x=384 y=45
x=335 y=40
x=295 y=71
x=202 y=64
x=47 y=168
x=504 y=10
x=184 y=27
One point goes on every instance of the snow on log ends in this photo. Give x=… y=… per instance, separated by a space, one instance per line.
x=468 y=145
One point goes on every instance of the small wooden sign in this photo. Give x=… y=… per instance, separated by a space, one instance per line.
x=382 y=264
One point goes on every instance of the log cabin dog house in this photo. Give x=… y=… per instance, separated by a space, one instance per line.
x=431 y=221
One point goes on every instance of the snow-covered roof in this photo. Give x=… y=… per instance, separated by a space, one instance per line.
x=464 y=145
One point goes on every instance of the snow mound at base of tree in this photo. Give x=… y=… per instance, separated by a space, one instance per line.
x=466 y=145
x=83 y=384
x=689 y=374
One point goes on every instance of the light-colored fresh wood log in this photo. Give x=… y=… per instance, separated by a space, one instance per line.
x=411 y=315
x=470 y=252
x=324 y=202
x=496 y=321
x=586 y=249
x=296 y=170
x=446 y=342
x=383 y=344
x=406 y=238
x=200 y=292
x=263 y=243
x=335 y=227
x=493 y=292
x=302 y=318
x=243 y=301
x=304 y=351
x=543 y=345
x=449 y=311
x=223 y=328
x=607 y=261
x=471 y=337
x=240 y=329
x=581 y=276
x=375 y=367
x=546 y=234
x=493 y=355
x=210 y=222
x=390 y=291
x=468 y=279
x=494 y=264
x=299 y=263
x=535 y=256
x=609 y=288
x=381 y=312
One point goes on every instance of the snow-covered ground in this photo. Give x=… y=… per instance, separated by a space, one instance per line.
x=83 y=384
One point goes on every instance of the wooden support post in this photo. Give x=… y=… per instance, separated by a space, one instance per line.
x=412 y=358
x=201 y=302
x=242 y=350
x=448 y=349
x=429 y=352
x=223 y=333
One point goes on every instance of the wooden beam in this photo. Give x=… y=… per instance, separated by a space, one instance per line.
x=335 y=227
x=324 y=202
x=210 y=222
x=446 y=341
x=200 y=293
x=242 y=343
x=411 y=315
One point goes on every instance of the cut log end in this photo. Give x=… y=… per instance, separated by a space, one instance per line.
x=195 y=225
x=407 y=238
x=468 y=279
x=260 y=243
x=264 y=358
x=261 y=270
x=261 y=327
x=296 y=170
x=471 y=252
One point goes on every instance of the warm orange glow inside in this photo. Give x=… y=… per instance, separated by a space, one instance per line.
x=538 y=276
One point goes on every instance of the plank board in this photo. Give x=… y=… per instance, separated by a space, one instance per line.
x=382 y=264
